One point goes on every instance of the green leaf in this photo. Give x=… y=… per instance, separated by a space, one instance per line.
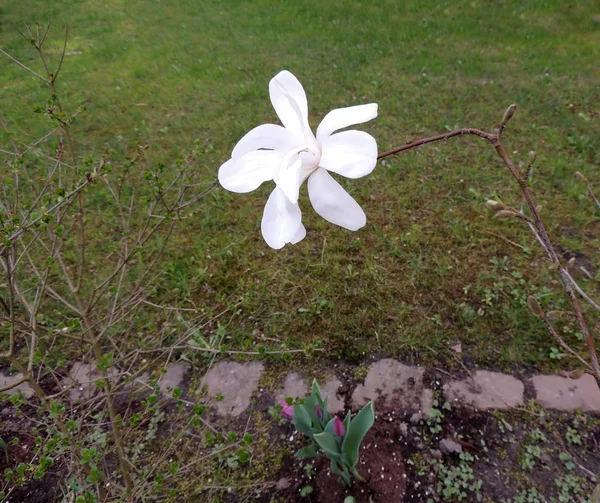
x=356 y=474
x=329 y=444
x=95 y=476
x=243 y=455
x=301 y=420
x=326 y=415
x=316 y=391
x=356 y=431
x=306 y=490
x=342 y=473
x=310 y=451
x=347 y=421
x=329 y=426
x=309 y=404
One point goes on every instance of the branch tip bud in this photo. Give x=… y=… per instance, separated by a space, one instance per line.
x=494 y=205
x=577 y=374
x=510 y=111
x=532 y=157
x=506 y=214
x=534 y=307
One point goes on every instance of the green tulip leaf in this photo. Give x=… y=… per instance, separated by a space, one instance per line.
x=342 y=473
x=329 y=444
x=302 y=421
x=316 y=391
x=309 y=404
x=329 y=427
x=356 y=431
x=347 y=420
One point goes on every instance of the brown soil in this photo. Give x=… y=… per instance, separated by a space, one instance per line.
x=402 y=461
x=381 y=464
x=493 y=445
x=18 y=427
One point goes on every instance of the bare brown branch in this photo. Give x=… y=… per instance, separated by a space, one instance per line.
x=534 y=222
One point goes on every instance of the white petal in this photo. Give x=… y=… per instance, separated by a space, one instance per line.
x=344 y=117
x=289 y=101
x=300 y=235
x=281 y=220
x=333 y=203
x=247 y=172
x=289 y=176
x=266 y=136
x=350 y=153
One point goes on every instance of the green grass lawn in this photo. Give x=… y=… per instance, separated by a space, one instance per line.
x=429 y=270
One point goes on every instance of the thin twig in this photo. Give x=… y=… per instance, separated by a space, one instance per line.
x=169 y=307
x=503 y=239
x=62 y=55
x=563 y=344
x=16 y=235
x=12 y=385
x=535 y=222
x=25 y=67
x=440 y=137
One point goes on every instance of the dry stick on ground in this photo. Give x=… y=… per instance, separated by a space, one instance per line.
x=535 y=220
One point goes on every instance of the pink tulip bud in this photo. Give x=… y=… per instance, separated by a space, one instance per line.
x=338 y=427
x=319 y=411
x=287 y=411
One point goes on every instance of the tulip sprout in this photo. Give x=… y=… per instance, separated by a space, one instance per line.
x=339 y=440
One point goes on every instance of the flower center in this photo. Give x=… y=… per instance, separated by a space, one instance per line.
x=310 y=160
x=295 y=167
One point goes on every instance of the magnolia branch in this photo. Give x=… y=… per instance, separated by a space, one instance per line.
x=589 y=188
x=534 y=221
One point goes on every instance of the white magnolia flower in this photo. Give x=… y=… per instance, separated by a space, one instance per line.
x=291 y=154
